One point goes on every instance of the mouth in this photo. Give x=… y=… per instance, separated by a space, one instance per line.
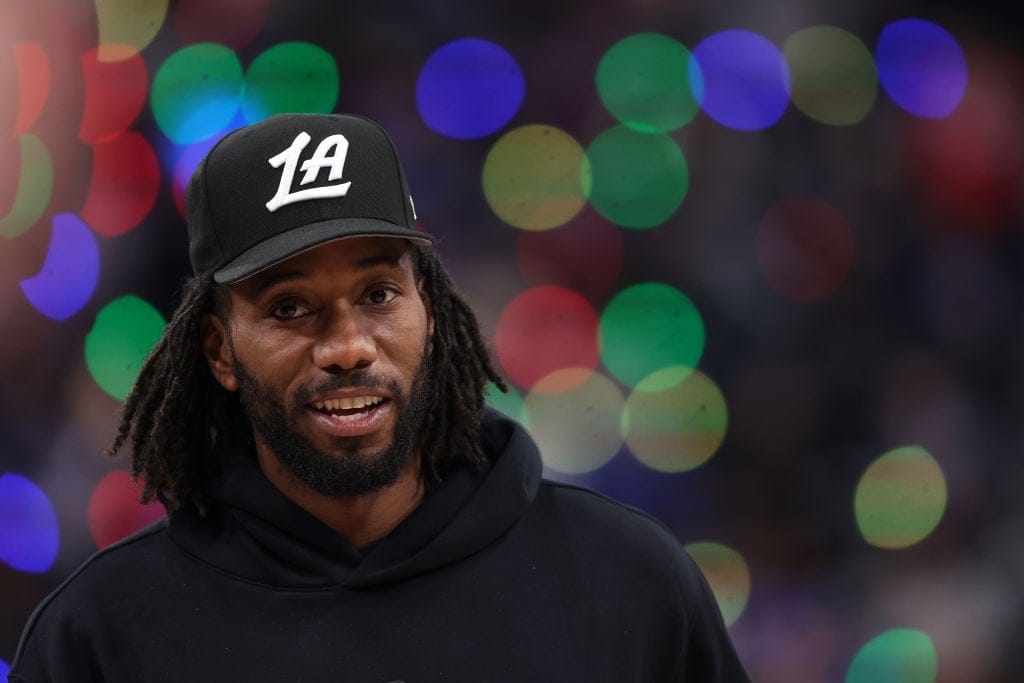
x=349 y=407
x=351 y=416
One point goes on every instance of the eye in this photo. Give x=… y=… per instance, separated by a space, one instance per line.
x=289 y=310
x=380 y=295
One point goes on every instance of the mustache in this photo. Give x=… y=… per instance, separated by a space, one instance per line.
x=360 y=377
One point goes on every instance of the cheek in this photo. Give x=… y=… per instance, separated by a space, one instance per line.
x=404 y=341
x=273 y=361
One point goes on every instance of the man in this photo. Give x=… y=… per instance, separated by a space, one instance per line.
x=341 y=506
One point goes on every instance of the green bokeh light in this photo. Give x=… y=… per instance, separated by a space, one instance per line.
x=728 y=575
x=125 y=331
x=644 y=81
x=536 y=177
x=638 y=179
x=574 y=415
x=901 y=655
x=647 y=327
x=833 y=73
x=675 y=427
x=196 y=92
x=35 y=185
x=290 y=77
x=511 y=403
x=900 y=498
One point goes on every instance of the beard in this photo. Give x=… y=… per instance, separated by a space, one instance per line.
x=345 y=470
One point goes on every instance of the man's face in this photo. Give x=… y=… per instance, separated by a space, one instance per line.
x=328 y=352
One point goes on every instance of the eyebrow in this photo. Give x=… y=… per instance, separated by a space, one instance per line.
x=269 y=280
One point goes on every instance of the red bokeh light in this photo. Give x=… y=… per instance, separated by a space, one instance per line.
x=115 y=93
x=545 y=329
x=115 y=510
x=804 y=248
x=34 y=78
x=968 y=168
x=234 y=23
x=125 y=182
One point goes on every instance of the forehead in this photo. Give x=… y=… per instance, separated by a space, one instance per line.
x=337 y=259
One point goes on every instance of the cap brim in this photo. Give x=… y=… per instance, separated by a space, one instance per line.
x=297 y=240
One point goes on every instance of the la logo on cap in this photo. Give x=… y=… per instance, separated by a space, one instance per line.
x=330 y=153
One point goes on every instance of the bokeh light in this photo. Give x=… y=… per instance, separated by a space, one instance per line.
x=124 y=186
x=510 y=403
x=290 y=77
x=921 y=67
x=115 y=510
x=584 y=255
x=125 y=331
x=196 y=92
x=4 y=668
x=34 y=78
x=746 y=80
x=234 y=23
x=128 y=22
x=29 y=536
x=647 y=327
x=545 y=329
x=35 y=185
x=574 y=415
x=728 y=575
x=638 y=179
x=186 y=165
x=536 y=177
x=68 y=276
x=672 y=425
x=834 y=80
x=649 y=82
x=804 y=248
x=115 y=93
x=469 y=88
x=900 y=498
x=967 y=169
x=902 y=655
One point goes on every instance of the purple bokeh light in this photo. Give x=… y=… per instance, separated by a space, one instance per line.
x=29 y=536
x=70 y=272
x=469 y=88
x=921 y=67
x=746 y=79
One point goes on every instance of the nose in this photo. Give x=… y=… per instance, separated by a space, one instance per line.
x=345 y=342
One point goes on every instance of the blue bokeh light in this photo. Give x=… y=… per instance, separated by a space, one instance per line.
x=29 y=536
x=746 y=79
x=469 y=88
x=70 y=272
x=4 y=668
x=921 y=67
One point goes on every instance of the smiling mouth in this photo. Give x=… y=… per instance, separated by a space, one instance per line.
x=351 y=408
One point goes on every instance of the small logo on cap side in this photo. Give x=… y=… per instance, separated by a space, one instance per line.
x=335 y=145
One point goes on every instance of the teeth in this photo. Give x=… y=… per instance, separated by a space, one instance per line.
x=353 y=403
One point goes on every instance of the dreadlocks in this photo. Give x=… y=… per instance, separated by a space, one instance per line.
x=178 y=419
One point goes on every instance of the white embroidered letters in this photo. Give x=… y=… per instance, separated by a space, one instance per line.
x=335 y=145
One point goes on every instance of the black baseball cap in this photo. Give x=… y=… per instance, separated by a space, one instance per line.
x=275 y=188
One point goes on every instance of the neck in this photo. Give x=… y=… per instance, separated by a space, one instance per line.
x=360 y=519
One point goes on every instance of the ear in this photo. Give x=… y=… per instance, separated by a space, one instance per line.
x=218 y=352
x=429 y=306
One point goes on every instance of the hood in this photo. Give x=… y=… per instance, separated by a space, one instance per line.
x=256 y=533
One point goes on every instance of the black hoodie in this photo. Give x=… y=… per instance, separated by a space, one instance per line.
x=498 y=577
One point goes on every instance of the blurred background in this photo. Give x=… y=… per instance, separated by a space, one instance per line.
x=754 y=268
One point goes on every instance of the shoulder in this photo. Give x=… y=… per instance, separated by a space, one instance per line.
x=595 y=513
x=90 y=590
x=618 y=536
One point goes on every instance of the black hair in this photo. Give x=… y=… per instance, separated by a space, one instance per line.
x=178 y=419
